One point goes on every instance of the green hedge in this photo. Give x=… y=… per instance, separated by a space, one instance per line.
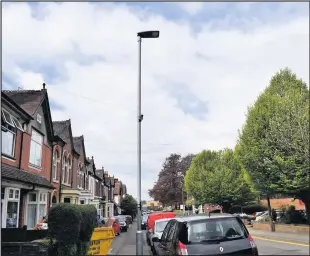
x=64 y=223
x=72 y=227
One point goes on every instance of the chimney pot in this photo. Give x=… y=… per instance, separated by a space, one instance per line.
x=44 y=86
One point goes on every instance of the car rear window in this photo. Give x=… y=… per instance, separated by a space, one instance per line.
x=216 y=229
x=160 y=226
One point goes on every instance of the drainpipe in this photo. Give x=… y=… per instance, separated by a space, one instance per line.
x=21 y=151
x=60 y=179
x=51 y=170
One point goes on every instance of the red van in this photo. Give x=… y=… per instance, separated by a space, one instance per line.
x=151 y=221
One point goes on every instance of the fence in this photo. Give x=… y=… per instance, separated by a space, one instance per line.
x=22 y=234
x=23 y=249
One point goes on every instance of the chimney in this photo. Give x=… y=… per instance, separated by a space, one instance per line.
x=44 y=86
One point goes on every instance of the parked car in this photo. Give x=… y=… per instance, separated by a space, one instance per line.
x=203 y=235
x=144 y=221
x=128 y=218
x=123 y=223
x=157 y=231
x=151 y=221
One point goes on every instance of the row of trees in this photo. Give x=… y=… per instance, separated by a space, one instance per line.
x=271 y=156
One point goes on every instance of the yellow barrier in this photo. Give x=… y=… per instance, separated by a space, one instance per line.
x=100 y=241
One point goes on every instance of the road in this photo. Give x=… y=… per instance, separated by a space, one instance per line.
x=125 y=244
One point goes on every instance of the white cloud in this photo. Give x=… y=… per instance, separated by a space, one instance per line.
x=192 y=8
x=100 y=96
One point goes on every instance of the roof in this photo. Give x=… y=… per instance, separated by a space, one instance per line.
x=99 y=173
x=162 y=220
x=15 y=106
x=29 y=100
x=13 y=173
x=61 y=129
x=78 y=144
x=91 y=167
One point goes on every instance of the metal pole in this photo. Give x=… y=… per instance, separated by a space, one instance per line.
x=183 y=198
x=139 y=235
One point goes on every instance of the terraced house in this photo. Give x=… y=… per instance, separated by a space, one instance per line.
x=65 y=162
x=44 y=164
x=27 y=142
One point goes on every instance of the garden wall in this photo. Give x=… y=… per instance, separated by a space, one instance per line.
x=285 y=228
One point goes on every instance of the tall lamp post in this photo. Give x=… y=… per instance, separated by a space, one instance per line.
x=181 y=175
x=139 y=235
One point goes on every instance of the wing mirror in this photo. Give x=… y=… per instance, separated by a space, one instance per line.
x=155 y=239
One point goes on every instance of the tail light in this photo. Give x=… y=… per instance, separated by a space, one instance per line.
x=251 y=240
x=253 y=245
x=182 y=249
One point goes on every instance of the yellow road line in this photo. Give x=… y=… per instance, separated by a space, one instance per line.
x=280 y=241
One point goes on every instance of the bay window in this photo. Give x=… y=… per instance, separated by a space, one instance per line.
x=36 y=208
x=10 y=203
x=36 y=149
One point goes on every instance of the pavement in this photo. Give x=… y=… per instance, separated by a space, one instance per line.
x=268 y=243
x=125 y=244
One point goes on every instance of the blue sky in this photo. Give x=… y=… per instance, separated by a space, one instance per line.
x=209 y=64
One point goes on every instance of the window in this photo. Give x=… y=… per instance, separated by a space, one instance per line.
x=9 y=124
x=64 y=165
x=69 y=168
x=82 y=202
x=36 y=148
x=67 y=200
x=55 y=164
x=36 y=210
x=12 y=208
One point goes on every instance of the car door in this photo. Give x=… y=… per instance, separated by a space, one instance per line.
x=161 y=247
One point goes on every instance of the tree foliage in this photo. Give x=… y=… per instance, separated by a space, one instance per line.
x=274 y=143
x=215 y=177
x=168 y=188
x=129 y=205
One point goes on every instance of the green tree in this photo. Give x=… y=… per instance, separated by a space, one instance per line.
x=216 y=178
x=274 y=143
x=129 y=205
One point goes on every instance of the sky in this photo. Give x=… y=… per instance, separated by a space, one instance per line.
x=210 y=63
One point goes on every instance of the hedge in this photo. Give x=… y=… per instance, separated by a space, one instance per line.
x=64 y=223
x=72 y=227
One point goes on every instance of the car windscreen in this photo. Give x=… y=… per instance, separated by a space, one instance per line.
x=160 y=226
x=219 y=229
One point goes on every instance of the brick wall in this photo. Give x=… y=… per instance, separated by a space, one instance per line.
x=46 y=158
x=276 y=203
x=15 y=161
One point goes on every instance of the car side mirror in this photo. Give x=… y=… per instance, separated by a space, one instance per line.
x=155 y=239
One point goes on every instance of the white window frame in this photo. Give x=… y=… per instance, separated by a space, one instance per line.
x=37 y=143
x=56 y=162
x=38 y=203
x=12 y=125
x=5 y=202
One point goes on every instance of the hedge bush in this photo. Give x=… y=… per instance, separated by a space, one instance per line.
x=72 y=226
x=64 y=223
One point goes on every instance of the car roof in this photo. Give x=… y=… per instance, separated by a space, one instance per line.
x=162 y=220
x=203 y=217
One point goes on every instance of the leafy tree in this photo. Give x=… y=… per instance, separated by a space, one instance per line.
x=129 y=205
x=216 y=178
x=274 y=143
x=168 y=188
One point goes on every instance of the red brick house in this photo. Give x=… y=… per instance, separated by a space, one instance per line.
x=100 y=193
x=27 y=141
x=65 y=163
x=80 y=173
